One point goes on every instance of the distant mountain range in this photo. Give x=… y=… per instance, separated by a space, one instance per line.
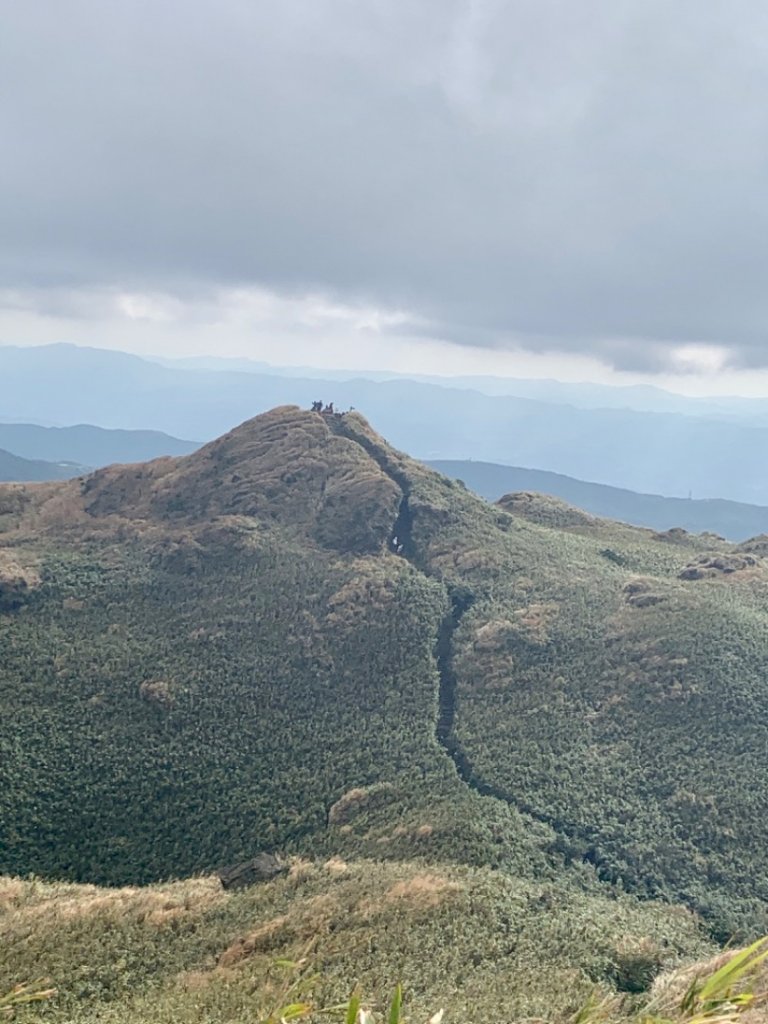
x=731 y=519
x=712 y=450
x=55 y=453
x=13 y=468
x=640 y=397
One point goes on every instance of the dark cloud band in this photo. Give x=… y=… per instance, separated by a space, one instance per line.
x=566 y=174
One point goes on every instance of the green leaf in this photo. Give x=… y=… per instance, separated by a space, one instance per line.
x=589 y=1012
x=353 y=1006
x=294 y=1011
x=396 y=1006
x=31 y=992
x=688 y=1002
x=718 y=986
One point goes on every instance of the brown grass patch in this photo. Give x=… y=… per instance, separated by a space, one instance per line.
x=493 y=635
x=372 y=588
x=197 y=981
x=30 y=901
x=425 y=891
x=17 y=578
x=11 y=893
x=418 y=833
x=315 y=915
x=301 y=869
x=347 y=805
x=356 y=800
x=304 y=921
x=533 y=621
x=268 y=936
x=158 y=692
x=337 y=866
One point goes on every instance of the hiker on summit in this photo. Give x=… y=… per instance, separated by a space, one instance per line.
x=328 y=410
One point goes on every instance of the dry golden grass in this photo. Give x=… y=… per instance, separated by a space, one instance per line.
x=669 y=988
x=11 y=894
x=18 y=568
x=336 y=866
x=422 y=892
x=357 y=800
x=266 y=937
x=373 y=586
x=286 y=465
x=27 y=904
x=187 y=951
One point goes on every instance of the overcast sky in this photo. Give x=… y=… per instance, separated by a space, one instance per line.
x=578 y=189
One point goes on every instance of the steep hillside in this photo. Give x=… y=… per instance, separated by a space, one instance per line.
x=731 y=519
x=220 y=647
x=299 y=638
x=480 y=944
x=13 y=468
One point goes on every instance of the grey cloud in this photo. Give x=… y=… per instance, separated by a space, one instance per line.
x=563 y=173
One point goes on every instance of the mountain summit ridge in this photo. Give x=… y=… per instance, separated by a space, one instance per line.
x=328 y=477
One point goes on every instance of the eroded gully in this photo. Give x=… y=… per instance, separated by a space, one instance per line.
x=461 y=600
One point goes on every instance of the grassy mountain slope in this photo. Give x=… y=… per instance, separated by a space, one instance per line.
x=621 y=700
x=221 y=646
x=13 y=468
x=731 y=519
x=480 y=944
x=297 y=637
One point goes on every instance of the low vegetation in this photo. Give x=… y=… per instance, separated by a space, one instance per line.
x=477 y=943
x=500 y=735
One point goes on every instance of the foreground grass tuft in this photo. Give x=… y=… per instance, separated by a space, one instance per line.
x=479 y=943
x=728 y=990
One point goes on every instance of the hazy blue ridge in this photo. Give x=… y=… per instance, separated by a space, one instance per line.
x=731 y=519
x=88 y=445
x=16 y=470
x=666 y=453
x=583 y=395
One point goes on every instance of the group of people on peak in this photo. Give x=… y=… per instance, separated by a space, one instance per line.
x=328 y=409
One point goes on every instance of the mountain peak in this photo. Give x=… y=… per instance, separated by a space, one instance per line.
x=314 y=473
